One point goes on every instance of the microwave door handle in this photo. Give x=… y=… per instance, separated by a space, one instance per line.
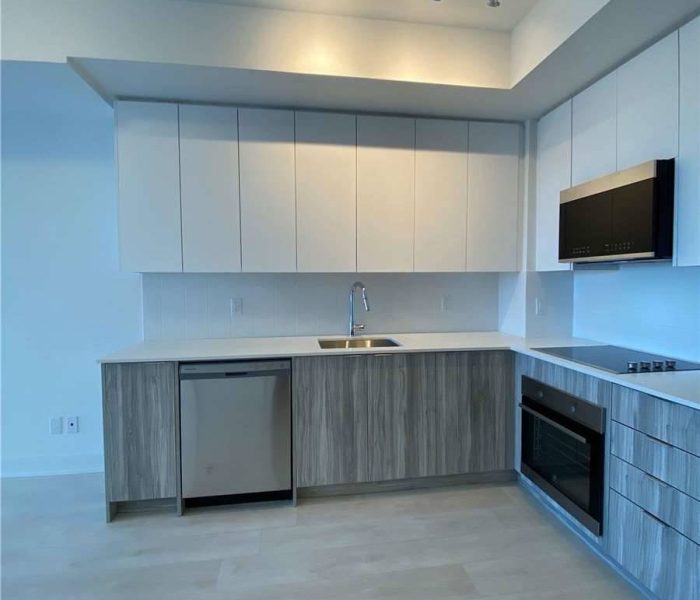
x=554 y=424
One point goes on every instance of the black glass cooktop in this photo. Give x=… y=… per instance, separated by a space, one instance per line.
x=620 y=360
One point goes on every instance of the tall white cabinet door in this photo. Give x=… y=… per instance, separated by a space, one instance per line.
x=688 y=164
x=385 y=193
x=211 y=233
x=441 y=195
x=149 y=186
x=647 y=104
x=325 y=186
x=493 y=196
x=268 y=212
x=553 y=176
x=594 y=131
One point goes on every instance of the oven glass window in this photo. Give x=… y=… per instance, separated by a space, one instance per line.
x=559 y=458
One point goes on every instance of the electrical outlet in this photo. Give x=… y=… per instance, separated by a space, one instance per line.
x=236 y=306
x=71 y=424
x=56 y=425
x=444 y=303
x=539 y=306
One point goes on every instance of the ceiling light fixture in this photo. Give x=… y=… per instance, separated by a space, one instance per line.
x=493 y=3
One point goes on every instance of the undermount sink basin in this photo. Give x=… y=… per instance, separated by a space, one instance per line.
x=357 y=343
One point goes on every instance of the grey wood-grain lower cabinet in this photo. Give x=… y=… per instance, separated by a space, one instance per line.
x=669 y=464
x=474 y=412
x=671 y=423
x=401 y=416
x=654 y=507
x=586 y=387
x=388 y=417
x=140 y=431
x=330 y=419
x=670 y=505
x=662 y=559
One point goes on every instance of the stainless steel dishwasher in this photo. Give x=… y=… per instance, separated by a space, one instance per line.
x=235 y=423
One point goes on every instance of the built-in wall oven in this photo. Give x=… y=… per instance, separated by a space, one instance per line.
x=562 y=450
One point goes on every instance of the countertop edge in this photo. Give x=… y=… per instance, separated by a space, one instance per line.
x=501 y=341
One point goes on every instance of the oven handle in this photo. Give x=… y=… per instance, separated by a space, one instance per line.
x=554 y=424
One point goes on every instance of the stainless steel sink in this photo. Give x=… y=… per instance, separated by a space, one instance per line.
x=357 y=343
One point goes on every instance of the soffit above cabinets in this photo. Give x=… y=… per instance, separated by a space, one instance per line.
x=619 y=30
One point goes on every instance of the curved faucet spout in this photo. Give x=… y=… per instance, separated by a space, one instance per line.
x=353 y=327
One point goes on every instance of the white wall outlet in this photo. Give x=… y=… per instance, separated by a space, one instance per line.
x=539 y=306
x=236 y=306
x=71 y=424
x=56 y=425
x=444 y=303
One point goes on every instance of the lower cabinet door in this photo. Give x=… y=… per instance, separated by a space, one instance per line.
x=330 y=419
x=140 y=423
x=657 y=555
x=474 y=412
x=401 y=416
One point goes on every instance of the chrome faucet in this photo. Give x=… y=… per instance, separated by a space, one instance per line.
x=353 y=327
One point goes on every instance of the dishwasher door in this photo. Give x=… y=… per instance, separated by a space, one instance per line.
x=235 y=424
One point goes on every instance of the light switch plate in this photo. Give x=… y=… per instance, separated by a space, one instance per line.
x=56 y=425
x=71 y=424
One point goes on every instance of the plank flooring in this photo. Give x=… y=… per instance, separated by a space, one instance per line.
x=469 y=542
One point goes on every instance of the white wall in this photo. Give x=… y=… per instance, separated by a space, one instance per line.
x=546 y=27
x=196 y=306
x=643 y=306
x=63 y=301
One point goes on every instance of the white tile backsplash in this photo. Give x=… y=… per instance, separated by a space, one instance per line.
x=199 y=305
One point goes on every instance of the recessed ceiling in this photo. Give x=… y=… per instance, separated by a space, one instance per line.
x=454 y=13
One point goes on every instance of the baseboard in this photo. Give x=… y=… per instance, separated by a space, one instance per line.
x=38 y=466
x=405 y=484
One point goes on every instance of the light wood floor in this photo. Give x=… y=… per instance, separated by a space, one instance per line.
x=467 y=542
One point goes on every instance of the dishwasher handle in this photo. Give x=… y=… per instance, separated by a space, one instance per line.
x=258 y=368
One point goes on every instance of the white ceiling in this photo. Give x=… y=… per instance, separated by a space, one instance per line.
x=454 y=13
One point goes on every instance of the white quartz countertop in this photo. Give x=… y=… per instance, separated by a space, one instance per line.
x=682 y=387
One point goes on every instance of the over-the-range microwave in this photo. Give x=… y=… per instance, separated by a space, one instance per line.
x=625 y=216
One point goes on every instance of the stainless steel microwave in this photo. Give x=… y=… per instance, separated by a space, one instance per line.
x=620 y=217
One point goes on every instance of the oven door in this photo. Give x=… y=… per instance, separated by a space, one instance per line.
x=565 y=459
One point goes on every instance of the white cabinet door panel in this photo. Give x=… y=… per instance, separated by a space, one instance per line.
x=268 y=211
x=385 y=193
x=493 y=196
x=149 y=186
x=441 y=195
x=209 y=180
x=688 y=164
x=553 y=175
x=326 y=192
x=647 y=104
x=594 y=131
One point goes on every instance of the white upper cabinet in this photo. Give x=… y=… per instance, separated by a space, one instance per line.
x=149 y=189
x=594 y=131
x=385 y=193
x=493 y=196
x=268 y=212
x=647 y=104
x=688 y=164
x=441 y=195
x=325 y=191
x=553 y=176
x=211 y=233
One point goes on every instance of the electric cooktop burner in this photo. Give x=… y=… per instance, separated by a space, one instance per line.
x=620 y=360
